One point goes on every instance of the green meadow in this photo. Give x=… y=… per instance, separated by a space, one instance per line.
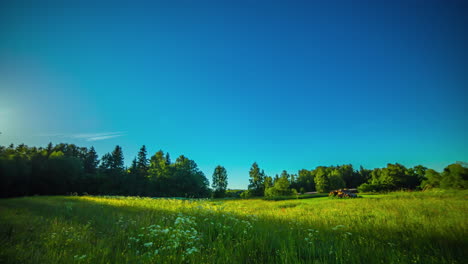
x=400 y=227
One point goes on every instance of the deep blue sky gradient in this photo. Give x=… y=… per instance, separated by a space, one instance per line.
x=289 y=84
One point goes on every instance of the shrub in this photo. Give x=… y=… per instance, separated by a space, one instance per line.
x=369 y=187
x=246 y=194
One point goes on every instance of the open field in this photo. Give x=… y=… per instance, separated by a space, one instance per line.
x=429 y=227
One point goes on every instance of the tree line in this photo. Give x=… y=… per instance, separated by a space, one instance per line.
x=66 y=168
x=324 y=179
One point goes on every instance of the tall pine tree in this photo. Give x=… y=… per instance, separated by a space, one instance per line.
x=142 y=162
x=117 y=160
x=91 y=161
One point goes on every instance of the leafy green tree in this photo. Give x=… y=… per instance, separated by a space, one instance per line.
x=321 y=180
x=276 y=178
x=454 y=176
x=365 y=174
x=219 y=181
x=158 y=168
x=257 y=185
x=281 y=187
x=432 y=180
x=392 y=177
x=336 y=182
x=420 y=171
x=305 y=180
x=246 y=194
x=414 y=177
x=285 y=174
x=351 y=178
x=191 y=182
x=268 y=182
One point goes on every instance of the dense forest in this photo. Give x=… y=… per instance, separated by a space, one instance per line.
x=66 y=168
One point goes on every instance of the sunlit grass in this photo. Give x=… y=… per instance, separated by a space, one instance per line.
x=426 y=227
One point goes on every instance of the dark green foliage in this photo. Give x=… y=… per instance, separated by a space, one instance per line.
x=117 y=159
x=281 y=188
x=66 y=168
x=432 y=179
x=369 y=187
x=305 y=181
x=321 y=180
x=336 y=182
x=233 y=193
x=396 y=176
x=257 y=177
x=182 y=178
x=393 y=177
x=454 y=176
x=219 y=181
x=246 y=194
x=91 y=161
x=142 y=161
x=268 y=182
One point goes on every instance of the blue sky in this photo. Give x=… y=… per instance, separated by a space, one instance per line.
x=289 y=84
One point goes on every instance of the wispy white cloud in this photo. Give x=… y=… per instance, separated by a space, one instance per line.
x=87 y=136
x=103 y=137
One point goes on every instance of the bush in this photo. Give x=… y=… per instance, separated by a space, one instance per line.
x=274 y=191
x=234 y=193
x=369 y=187
x=246 y=194
x=218 y=194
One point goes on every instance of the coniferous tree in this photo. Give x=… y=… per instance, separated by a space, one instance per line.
x=117 y=161
x=285 y=174
x=50 y=148
x=168 y=159
x=134 y=167
x=105 y=163
x=91 y=161
x=142 y=162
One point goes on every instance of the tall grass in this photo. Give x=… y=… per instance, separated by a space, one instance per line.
x=428 y=227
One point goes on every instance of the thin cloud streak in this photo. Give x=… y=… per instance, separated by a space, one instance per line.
x=103 y=137
x=87 y=136
x=93 y=135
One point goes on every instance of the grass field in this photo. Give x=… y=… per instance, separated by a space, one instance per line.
x=428 y=227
